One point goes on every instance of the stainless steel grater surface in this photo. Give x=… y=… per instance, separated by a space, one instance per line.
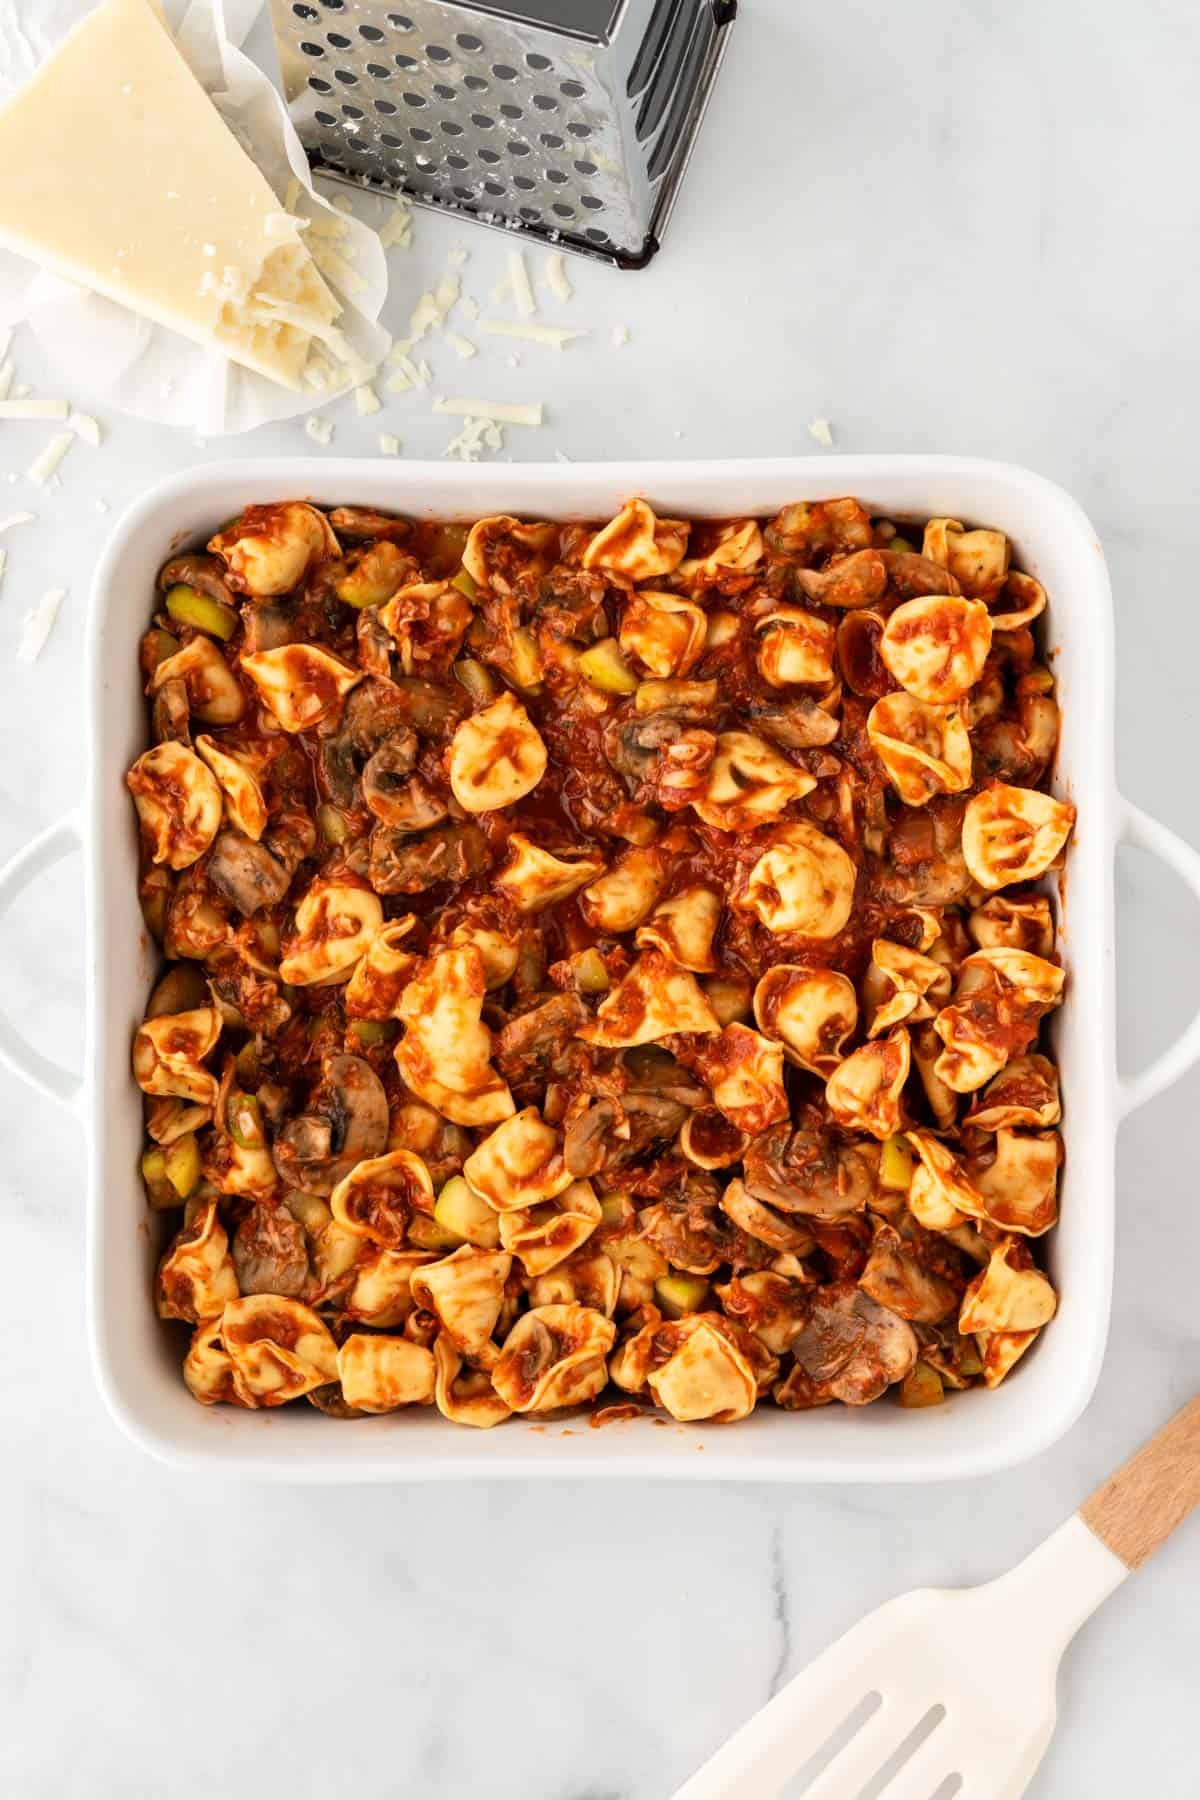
x=569 y=120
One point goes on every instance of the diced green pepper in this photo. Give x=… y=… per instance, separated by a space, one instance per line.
x=680 y=1294
x=181 y=1161
x=922 y=1386
x=896 y=1164
x=332 y=824
x=189 y=607
x=374 y=1031
x=157 y=645
x=159 y=1192
x=605 y=667
x=902 y=543
x=244 y=1115
x=615 y=1208
x=247 y=1063
x=591 y=976
x=460 y=1210
x=465 y=583
x=526 y=666
x=425 y=1233
x=479 y=681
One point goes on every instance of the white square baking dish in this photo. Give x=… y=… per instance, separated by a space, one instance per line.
x=137 y=1363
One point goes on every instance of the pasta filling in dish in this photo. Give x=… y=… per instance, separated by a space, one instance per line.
x=605 y=963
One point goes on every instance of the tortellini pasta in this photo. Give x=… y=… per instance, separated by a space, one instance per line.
x=379 y=1195
x=813 y=1012
x=706 y=1374
x=738 y=549
x=240 y=786
x=543 y=1236
x=936 y=646
x=213 y=694
x=178 y=804
x=865 y=1092
x=924 y=749
x=533 y=878
x=683 y=928
x=518 y=1164
x=978 y=560
x=745 y=1077
x=196 y=1277
x=664 y=632
x=279 y=1348
x=554 y=1356
x=999 y=998
x=496 y=757
x=748 y=783
x=803 y=882
x=904 y=986
x=636 y=546
x=381 y=1374
x=1013 y=834
x=656 y=998
x=268 y=550
x=444 y=1055
x=334 y=926
x=501 y=548
x=382 y=973
x=299 y=684
x=169 y=1053
x=795 y=648
x=623 y=896
x=466 y=1291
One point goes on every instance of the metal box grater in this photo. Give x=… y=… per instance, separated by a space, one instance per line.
x=570 y=120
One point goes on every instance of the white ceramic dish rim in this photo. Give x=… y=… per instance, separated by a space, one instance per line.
x=137 y=1369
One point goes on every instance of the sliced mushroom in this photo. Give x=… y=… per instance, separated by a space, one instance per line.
x=851 y=1349
x=347 y=1121
x=245 y=873
x=807 y=1170
x=270 y=1251
x=403 y=864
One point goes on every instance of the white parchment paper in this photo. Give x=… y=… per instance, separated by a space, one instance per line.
x=107 y=352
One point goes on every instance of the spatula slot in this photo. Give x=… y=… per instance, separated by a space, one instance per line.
x=833 y=1746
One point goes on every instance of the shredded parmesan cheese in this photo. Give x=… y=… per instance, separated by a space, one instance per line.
x=496 y=412
x=6 y=377
x=469 y=308
x=43 y=466
x=38 y=623
x=335 y=265
x=820 y=430
x=460 y=345
x=399 y=383
x=326 y=225
x=389 y=444
x=33 y=409
x=396 y=233
x=620 y=336
x=21 y=518
x=366 y=400
x=476 y=436
x=102 y=506
x=556 y=276
x=518 y=280
x=85 y=427
x=319 y=430
x=5 y=343
x=458 y=256
x=554 y=335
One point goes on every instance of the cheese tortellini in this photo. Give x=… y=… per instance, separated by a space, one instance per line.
x=606 y=963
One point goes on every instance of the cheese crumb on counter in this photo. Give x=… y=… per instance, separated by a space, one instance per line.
x=319 y=430
x=43 y=466
x=85 y=428
x=518 y=281
x=33 y=409
x=38 y=623
x=460 y=345
x=18 y=518
x=476 y=436
x=820 y=430
x=620 y=336
x=497 y=412
x=366 y=400
x=553 y=335
x=556 y=276
x=389 y=444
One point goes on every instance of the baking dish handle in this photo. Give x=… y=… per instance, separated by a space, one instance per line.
x=41 y=853
x=1144 y=833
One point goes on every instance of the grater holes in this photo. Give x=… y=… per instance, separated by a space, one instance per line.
x=386 y=107
x=397 y=21
x=534 y=61
x=411 y=99
x=436 y=53
x=494 y=187
x=379 y=72
x=353 y=112
x=563 y=212
x=419 y=135
x=451 y=128
x=574 y=90
x=591 y=202
x=512 y=112
x=516 y=147
x=502 y=72
x=345 y=77
x=530 y=214
x=523 y=182
x=465 y=41
x=312 y=49
x=442 y=91
x=393 y=143
x=555 y=175
x=484 y=121
x=597 y=237
x=457 y=162
x=580 y=131
x=338 y=41
x=488 y=156
x=406 y=62
x=306 y=12
x=319 y=85
x=550 y=141
x=585 y=168
x=462 y=193
x=324 y=118
x=545 y=102
x=372 y=34
x=476 y=83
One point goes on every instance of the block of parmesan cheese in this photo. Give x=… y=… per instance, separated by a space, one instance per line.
x=117 y=172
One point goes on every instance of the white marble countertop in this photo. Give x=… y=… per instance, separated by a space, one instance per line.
x=969 y=230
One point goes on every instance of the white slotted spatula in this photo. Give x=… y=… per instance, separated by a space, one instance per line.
x=952 y=1691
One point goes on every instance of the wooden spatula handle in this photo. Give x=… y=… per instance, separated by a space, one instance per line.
x=1138 y=1508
